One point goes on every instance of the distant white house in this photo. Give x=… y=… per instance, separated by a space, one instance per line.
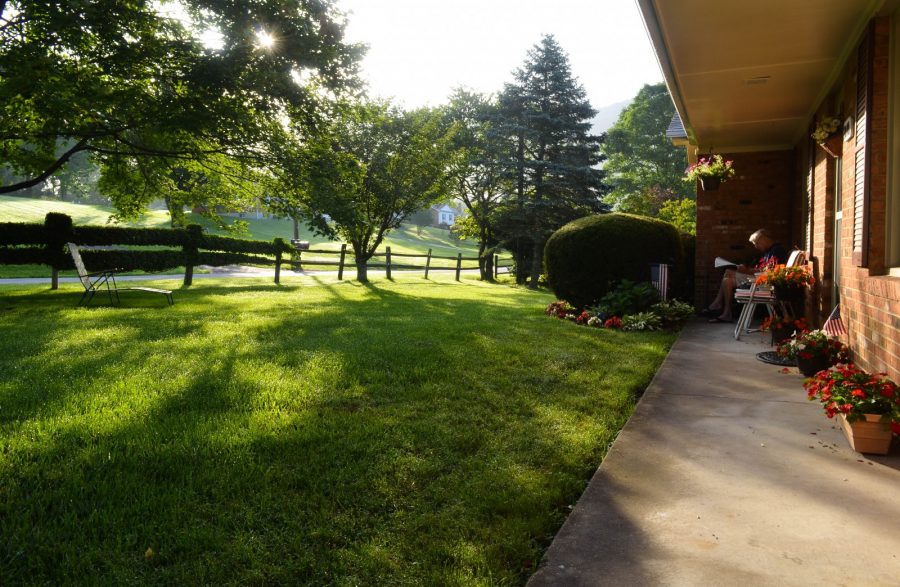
x=445 y=214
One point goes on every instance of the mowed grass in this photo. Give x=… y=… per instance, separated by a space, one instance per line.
x=320 y=432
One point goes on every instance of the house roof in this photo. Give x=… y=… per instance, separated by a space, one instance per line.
x=676 y=131
x=750 y=75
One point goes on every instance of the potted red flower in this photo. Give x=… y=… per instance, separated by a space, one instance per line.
x=868 y=405
x=814 y=351
x=788 y=283
x=783 y=327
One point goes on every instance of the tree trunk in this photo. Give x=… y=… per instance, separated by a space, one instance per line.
x=520 y=202
x=537 y=263
x=487 y=268
x=482 y=261
x=296 y=229
x=362 y=271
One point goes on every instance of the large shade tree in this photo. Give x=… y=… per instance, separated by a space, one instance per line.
x=644 y=168
x=374 y=167
x=552 y=157
x=133 y=85
x=476 y=171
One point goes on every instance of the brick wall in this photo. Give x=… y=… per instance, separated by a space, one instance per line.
x=870 y=300
x=758 y=197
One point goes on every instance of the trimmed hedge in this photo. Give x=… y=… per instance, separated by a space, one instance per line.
x=44 y=244
x=19 y=233
x=584 y=258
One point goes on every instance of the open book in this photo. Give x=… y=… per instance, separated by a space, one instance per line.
x=721 y=262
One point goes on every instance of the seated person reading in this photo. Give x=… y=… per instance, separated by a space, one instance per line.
x=773 y=253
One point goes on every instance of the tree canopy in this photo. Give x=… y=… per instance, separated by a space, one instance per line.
x=554 y=158
x=134 y=86
x=643 y=167
x=376 y=166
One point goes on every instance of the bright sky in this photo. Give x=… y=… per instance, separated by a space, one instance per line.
x=419 y=50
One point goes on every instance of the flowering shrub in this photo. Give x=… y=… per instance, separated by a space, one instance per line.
x=808 y=344
x=849 y=390
x=614 y=322
x=582 y=318
x=825 y=128
x=714 y=166
x=595 y=321
x=558 y=309
x=779 y=322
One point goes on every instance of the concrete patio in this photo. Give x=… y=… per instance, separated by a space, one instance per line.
x=727 y=475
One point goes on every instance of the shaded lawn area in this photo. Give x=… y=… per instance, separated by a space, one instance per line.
x=319 y=432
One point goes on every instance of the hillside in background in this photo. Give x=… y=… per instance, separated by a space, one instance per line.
x=607 y=116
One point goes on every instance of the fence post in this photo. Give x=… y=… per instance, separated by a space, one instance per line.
x=388 y=261
x=341 y=264
x=427 y=263
x=496 y=266
x=458 y=265
x=58 y=231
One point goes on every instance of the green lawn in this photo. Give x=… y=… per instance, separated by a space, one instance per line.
x=400 y=433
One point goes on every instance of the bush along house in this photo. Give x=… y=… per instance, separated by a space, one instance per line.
x=803 y=97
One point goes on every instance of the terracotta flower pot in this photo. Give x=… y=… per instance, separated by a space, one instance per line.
x=872 y=435
x=710 y=184
x=811 y=366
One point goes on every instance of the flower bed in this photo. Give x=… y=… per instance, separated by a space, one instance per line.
x=668 y=315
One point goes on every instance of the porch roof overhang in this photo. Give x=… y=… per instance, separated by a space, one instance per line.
x=749 y=76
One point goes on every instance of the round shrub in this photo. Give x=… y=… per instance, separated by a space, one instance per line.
x=585 y=257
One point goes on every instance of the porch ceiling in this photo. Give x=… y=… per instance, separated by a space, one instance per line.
x=749 y=75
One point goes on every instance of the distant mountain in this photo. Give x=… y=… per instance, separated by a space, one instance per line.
x=607 y=116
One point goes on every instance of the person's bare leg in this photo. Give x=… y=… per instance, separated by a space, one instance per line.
x=728 y=287
x=719 y=302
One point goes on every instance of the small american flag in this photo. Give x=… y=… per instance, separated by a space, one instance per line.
x=834 y=326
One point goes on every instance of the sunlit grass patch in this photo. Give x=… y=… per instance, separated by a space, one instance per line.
x=321 y=432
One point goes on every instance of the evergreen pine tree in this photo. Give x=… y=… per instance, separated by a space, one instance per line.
x=552 y=155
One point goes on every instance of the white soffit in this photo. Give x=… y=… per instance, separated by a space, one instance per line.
x=751 y=73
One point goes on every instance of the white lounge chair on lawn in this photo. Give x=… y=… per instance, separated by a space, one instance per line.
x=94 y=282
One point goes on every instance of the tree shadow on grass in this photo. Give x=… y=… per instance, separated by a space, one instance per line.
x=378 y=440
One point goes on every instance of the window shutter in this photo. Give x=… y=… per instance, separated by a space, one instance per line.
x=862 y=154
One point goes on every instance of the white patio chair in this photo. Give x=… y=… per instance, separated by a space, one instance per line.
x=761 y=294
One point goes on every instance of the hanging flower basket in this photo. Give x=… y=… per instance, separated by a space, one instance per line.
x=710 y=184
x=833 y=145
x=710 y=172
x=827 y=136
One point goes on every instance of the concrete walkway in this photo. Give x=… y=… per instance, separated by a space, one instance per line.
x=727 y=475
